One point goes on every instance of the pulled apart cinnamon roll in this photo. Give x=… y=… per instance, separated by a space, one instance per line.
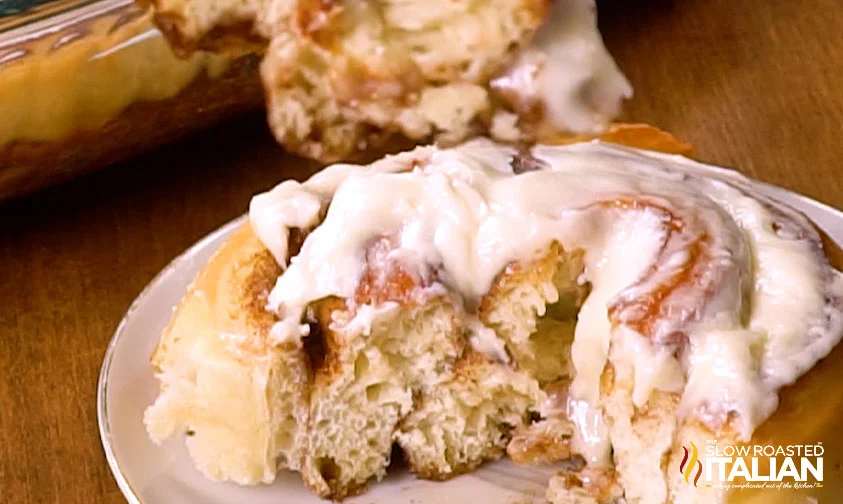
x=342 y=76
x=590 y=303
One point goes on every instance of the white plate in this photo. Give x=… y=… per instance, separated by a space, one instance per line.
x=148 y=474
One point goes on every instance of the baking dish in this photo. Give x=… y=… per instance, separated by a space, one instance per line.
x=87 y=83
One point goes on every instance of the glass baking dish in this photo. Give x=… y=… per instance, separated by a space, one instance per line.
x=86 y=83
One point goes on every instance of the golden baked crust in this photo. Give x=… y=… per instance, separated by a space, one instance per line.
x=240 y=399
x=233 y=288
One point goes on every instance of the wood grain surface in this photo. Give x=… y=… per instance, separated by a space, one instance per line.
x=755 y=84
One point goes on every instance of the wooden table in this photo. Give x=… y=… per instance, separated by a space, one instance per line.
x=756 y=84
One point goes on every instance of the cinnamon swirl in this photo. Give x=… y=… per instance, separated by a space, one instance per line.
x=590 y=302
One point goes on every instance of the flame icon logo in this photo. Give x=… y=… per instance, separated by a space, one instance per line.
x=686 y=467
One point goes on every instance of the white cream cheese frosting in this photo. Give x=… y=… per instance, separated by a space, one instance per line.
x=719 y=292
x=568 y=72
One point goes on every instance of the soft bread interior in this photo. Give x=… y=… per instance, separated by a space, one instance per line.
x=467 y=420
x=533 y=308
x=366 y=386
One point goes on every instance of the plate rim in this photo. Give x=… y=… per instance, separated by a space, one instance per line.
x=104 y=428
x=102 y=382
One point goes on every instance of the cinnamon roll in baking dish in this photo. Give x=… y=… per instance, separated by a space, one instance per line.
x=589 y=303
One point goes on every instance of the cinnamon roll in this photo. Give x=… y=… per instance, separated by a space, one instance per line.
x=589 y=303
x=343 y=76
